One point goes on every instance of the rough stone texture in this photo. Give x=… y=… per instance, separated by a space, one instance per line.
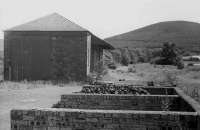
x=41 y=55
x=90 y=119
x=77 y=119
x=110 y=88
x=161 y=90
x=49 y=55
x=123 y=102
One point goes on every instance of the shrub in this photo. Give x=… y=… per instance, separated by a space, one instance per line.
x=190 y=64
x=171 y=78
x=124 y=61
x=91 y=78
x=160 y=61
x=99 y=71
x=132 y=70
x=180 y=65
x=141 y=59
x=112 y=66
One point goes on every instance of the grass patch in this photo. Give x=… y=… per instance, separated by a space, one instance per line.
x=35 y=84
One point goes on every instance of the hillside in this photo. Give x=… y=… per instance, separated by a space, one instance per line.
x=182 y=33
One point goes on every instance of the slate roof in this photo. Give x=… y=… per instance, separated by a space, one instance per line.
x=55 y=22
x=52 y=22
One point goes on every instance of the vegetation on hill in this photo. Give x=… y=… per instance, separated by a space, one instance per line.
x=124 y=56
x=184 y=34
x=145 y=44
x=170 y=55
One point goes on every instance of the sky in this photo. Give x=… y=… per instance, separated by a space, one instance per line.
x=104 y=18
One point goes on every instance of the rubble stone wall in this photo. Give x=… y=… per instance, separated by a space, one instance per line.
x=76 y=119
x=126 y=89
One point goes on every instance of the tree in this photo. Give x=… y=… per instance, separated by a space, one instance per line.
x=170 y=55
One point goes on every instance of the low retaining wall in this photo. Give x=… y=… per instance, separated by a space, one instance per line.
x=127 y=112
x=76 y=119
x=161 y=91
x=123 y=102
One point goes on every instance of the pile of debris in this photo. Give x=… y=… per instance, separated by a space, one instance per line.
x=113 y=89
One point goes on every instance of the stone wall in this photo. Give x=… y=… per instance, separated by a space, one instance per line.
x=160 y=90
x=41 y=55
x=127 y=112
x=123 y=102
x=104 y=88
x=76 y=119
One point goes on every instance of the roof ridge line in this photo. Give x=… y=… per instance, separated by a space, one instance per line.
x=50 y=22
x=70 y=20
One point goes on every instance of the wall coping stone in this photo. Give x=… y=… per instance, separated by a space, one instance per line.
x=105 y=111
x=195 y=105
x=128 y=95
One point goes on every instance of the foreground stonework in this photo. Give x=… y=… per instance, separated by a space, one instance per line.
x=77 y=119
x=113 y=112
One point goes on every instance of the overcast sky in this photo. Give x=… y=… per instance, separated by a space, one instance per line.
x=102 y=17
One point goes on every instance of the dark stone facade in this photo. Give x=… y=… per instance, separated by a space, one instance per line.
x=124 y=102
x=40 y=55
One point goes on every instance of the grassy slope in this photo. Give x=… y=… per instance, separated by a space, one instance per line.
x=182 y=33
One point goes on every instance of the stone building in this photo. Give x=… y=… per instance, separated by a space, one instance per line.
x=51 y=48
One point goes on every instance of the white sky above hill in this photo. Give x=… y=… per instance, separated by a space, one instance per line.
x=102 y=17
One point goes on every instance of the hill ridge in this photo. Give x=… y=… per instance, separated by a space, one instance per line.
x=183 y=33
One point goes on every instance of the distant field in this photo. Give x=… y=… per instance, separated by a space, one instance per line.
x=188 y=78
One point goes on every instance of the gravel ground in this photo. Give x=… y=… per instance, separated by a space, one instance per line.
x=29 y=98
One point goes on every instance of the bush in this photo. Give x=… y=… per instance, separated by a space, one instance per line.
x=99 y=71
x=124 y=61
x=171 y=78
x=180 y=64
x=131 y=70
x=141 y=59
x=112 y=66
x=91 y=78
x=161 y=61
x=190 y=64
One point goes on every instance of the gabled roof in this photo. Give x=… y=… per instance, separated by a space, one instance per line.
x=56 y=22
x=52 y=22
x=101 y=43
